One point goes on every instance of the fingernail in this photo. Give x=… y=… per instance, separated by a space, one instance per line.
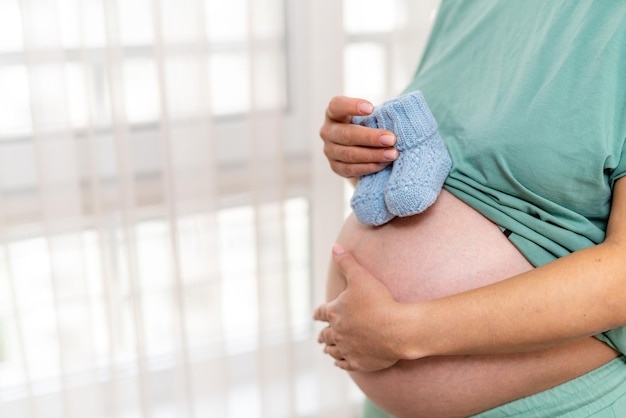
x=338 y=249
x=388 y=140
x=390 y=154
x=366 y=108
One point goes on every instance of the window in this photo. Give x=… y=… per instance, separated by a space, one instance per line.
x=384 y=44
x=157 y=204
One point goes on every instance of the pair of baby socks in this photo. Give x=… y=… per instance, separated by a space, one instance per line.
x=411 y=183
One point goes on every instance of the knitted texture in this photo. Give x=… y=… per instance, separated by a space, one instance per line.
x=368 y=200
x=412 y=183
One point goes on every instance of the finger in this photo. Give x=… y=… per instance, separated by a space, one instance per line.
x=326 y=336
x=334 y=352
x=348 y=265
x=342 y=108
x=358 y=154
x=357 y=161
x=321 y=313
x=345 y=365
x=346 y=133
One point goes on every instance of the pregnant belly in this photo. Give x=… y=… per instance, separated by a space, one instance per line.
x=448 y=249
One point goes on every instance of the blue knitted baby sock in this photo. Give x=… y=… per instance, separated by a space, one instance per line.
x=412 y=183
x=368 y=200
x=418 y=174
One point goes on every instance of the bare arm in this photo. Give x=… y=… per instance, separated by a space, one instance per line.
x=576 y=296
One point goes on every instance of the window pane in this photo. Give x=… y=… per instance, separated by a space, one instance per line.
x=141 y=90
x=227 y=21
x=49 y=105
x=184 y=87
x=237 y=261
x=41 y=24
x=70 y=23
x=100 y=332
x=30 y=264
x=11 y=360
x=81 y=23
x=365 y=72
x=268 y=19
x=87 y=94
x=370 y=16
x=229 y=83
x=6 y=300
x=154 y=256
x=67 y=263
x=93 y=268
x=298 y=255
x=14 y=101
x=159 y=322
x=77 y=95
x=195 y=238
x=180 y=20
x=94 y=32
x=269 y=80
x=41 y=341
x=11 y=24
x=75 y=328
x=203 y=311
x=135 y=20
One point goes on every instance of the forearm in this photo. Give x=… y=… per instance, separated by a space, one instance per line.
x=573 y=297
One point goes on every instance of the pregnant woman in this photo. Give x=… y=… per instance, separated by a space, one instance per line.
x=507 y=297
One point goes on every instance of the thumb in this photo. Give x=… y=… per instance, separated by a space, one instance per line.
x=321 y=313
x=348 y=265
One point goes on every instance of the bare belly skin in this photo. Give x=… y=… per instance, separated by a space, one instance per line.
x=448 y=249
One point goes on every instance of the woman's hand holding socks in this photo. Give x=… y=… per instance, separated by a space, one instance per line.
x=413 y=182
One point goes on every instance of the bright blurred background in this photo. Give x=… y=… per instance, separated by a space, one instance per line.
x=166 y=211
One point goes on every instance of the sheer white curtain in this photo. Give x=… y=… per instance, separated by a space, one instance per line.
x=165 y=208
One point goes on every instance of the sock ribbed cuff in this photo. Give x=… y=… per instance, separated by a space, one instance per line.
x=409 y=118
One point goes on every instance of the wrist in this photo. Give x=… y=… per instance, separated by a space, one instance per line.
x=409 y=332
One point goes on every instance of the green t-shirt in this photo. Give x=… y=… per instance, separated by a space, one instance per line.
x=530 y=99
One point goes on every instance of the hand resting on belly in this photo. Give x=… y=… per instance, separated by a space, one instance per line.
x=448 y=249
